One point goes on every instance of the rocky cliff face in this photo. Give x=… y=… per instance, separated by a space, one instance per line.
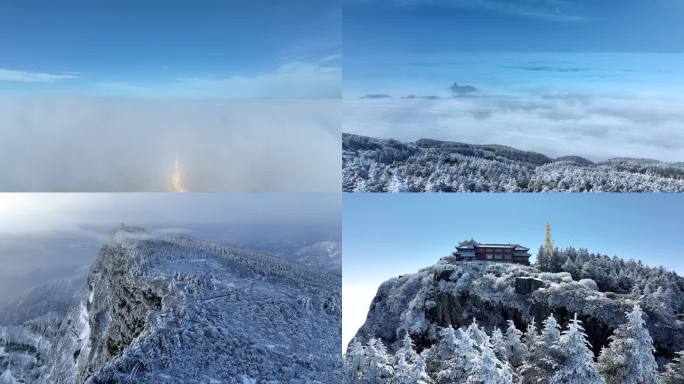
x=174 y=310
x=454 y=293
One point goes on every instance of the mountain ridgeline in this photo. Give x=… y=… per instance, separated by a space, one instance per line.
x=171 y=309
x=386 y=165
x=604 y=305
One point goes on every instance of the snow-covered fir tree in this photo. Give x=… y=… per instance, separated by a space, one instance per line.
x=378 y=364
x=577 y=365
x=516 y=352
x=533 y=368
x=487 y=369
x=674 y=372
x=499 y=345
x=410 y=366
x=628 y=358
x=458 y=365
x=354 y=363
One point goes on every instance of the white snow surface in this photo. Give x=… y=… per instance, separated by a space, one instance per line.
x=171 y=309
x=385 y=165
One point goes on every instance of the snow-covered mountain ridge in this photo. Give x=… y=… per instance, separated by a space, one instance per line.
x=385 y=165
x=170 y=309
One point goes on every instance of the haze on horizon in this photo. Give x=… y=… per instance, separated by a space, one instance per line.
x=44 y=236
x=598 y=79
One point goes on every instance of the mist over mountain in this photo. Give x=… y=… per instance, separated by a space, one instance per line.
x=169 y=308
x=386 y=165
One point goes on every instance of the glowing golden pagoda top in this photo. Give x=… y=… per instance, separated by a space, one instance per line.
x=548 y=244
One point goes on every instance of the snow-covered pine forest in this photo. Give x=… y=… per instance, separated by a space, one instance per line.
x=171 y=309
x=575 y=317
x=544 y=354
x=379 y=165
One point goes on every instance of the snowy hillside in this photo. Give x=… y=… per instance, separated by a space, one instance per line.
x=377 y=165
x=326 y=255
x=511 y=298
x=170 y=309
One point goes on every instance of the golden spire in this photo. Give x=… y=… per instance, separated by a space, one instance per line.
x=176 y=179
x=548 y=245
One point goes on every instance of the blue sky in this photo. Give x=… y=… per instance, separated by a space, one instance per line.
x=375 y=26
x=598 y=79
x=389 y=234
x=182 y=49
x=244 y=93
x=386 y=235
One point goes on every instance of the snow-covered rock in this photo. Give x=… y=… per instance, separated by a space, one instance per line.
x=454 y=293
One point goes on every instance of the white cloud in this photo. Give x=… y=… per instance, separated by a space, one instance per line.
x=356 y=300
x=596 y=127
x=319 y=79
x=33 y=77
x=556 y=10
x=101 y=144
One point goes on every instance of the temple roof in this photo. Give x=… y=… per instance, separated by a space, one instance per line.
x=516 y=247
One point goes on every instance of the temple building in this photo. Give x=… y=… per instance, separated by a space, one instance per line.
x=502 y=253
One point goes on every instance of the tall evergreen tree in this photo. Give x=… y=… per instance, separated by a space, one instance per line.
x=354 y=362
x=531 y=337
x=410 y=366
x=477 y=334
x=578 y=360
x=499 y=345
x=456 y=368
x=378 y=365
x=516 y=351
x=487 y=369
x=531 y=370
x=629 y=359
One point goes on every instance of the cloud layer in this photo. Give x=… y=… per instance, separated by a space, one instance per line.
x=45 y=236
x=320 y=79
x=556 y=10
x=103 y=144
x=593 y=126
x=32 y=77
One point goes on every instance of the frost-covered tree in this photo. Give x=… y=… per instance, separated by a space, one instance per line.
x=456 y=368
x=499 y=345
x=410 y=366
x=354 y=362
x=376 y=165
x=515 y=349
x=378 y=366
x=476 y=333
x=674 y=372
x=629 y=359
x=487 y=369
x=532 y=370
x=577 y=365
x=531 y=337
x=447 y=347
